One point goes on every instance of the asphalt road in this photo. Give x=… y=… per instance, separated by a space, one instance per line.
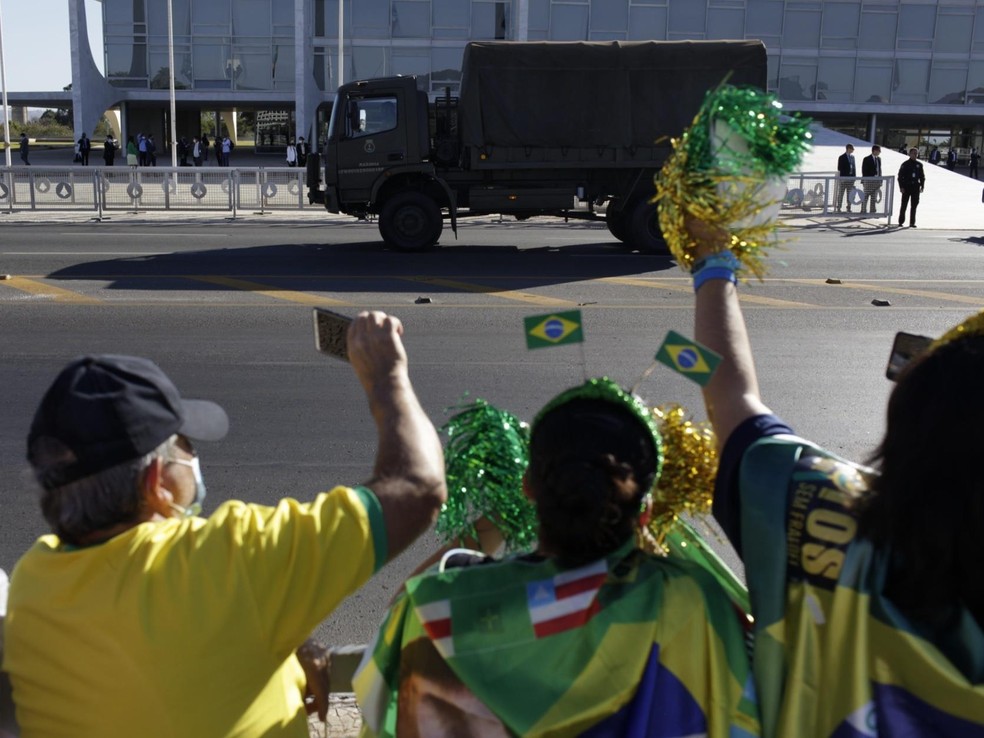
x=225 y=309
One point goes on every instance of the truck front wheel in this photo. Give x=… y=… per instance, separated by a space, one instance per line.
x=644 y=231
x=410 y=221
x=615 y=219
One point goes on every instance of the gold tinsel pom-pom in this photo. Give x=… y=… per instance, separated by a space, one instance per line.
x=686 y=485
x=972 y=326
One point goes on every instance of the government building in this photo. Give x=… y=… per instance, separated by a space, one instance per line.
x=902 y=72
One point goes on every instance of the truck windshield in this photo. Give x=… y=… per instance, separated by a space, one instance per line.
x=369 y=116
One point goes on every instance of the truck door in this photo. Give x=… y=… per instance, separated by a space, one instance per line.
x=370 y=141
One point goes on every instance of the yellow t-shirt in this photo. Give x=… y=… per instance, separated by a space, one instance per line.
x=185 y=627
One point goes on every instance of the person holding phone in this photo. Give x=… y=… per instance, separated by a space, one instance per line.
x=864 y=581
x=136 y=616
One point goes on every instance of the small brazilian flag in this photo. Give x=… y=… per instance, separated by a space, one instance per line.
x=553 y=329
x=688 y=357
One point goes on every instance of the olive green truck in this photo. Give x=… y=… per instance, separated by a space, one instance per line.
x=577 y=130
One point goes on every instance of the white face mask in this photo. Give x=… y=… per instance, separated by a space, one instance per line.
x=195 y=507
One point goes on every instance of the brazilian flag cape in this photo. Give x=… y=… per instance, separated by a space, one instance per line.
x=628 y=645
x=834 y=656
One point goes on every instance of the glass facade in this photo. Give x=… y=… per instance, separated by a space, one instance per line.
x=218 y=44
x=833 y=59
x=908 y=52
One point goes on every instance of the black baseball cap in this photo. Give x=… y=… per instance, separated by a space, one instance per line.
x=109 y=409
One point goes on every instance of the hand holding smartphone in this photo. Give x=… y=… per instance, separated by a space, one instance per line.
x=331 y=333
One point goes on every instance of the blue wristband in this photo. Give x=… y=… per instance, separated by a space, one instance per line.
x=721 y=265
x=720 y=258
x=715 y=272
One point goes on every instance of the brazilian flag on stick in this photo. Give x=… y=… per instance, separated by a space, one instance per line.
x=688 y=357
x=553 y=329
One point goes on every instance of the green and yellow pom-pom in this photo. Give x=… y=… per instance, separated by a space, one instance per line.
x=486 y=456
x=724 y=171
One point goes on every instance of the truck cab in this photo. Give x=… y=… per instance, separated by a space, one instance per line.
x=374 y=129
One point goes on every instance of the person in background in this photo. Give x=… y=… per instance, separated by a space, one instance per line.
x=864 y=582
x=302 y=151
x=25 y=149
x=912 y=181
x=143 y=155
x=197 y=149
x=137 y=617
x=225 y=151
x=871 y=167
x=846 y=171
x=84 y=147
x=291 y=154
x=109 y=150
x=975 y=160
x=132 y=152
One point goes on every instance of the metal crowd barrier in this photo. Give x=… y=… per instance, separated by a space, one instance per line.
x=824 y=194
x=134 y=189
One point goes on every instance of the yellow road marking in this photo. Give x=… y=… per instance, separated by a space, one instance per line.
x=485 y=290
x=897 y=291
x=303 y=298
x=33 y=287
x=743 y=296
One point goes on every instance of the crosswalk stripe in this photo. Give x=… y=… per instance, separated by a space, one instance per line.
x=304 y=298
x=43 y=289
x=686 y=287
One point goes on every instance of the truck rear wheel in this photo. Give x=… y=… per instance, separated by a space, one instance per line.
x=410 y=221
x=644 y=232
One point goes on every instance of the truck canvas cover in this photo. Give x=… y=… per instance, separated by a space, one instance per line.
x=594 y=94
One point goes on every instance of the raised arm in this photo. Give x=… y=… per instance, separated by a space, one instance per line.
x=408 y=478
x=732 y=395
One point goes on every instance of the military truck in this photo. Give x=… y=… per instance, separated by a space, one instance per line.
x=577 y=130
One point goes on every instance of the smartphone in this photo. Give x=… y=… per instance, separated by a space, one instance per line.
x=331 y=333
x=905 y=348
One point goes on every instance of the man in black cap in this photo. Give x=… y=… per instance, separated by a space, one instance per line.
x=136 y=617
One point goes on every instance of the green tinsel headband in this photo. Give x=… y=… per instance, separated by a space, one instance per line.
x=602 y=388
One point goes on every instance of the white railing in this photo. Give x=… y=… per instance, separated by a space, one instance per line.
x=818 y=194
x=135 y=189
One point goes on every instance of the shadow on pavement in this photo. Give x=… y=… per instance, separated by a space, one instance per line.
x=360 y=266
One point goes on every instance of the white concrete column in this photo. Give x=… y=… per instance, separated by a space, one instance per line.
x=307 y=96
x=92 y=95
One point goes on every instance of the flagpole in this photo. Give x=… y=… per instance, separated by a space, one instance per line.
x=170 y=65
x=3 y=84
x=341 y=42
